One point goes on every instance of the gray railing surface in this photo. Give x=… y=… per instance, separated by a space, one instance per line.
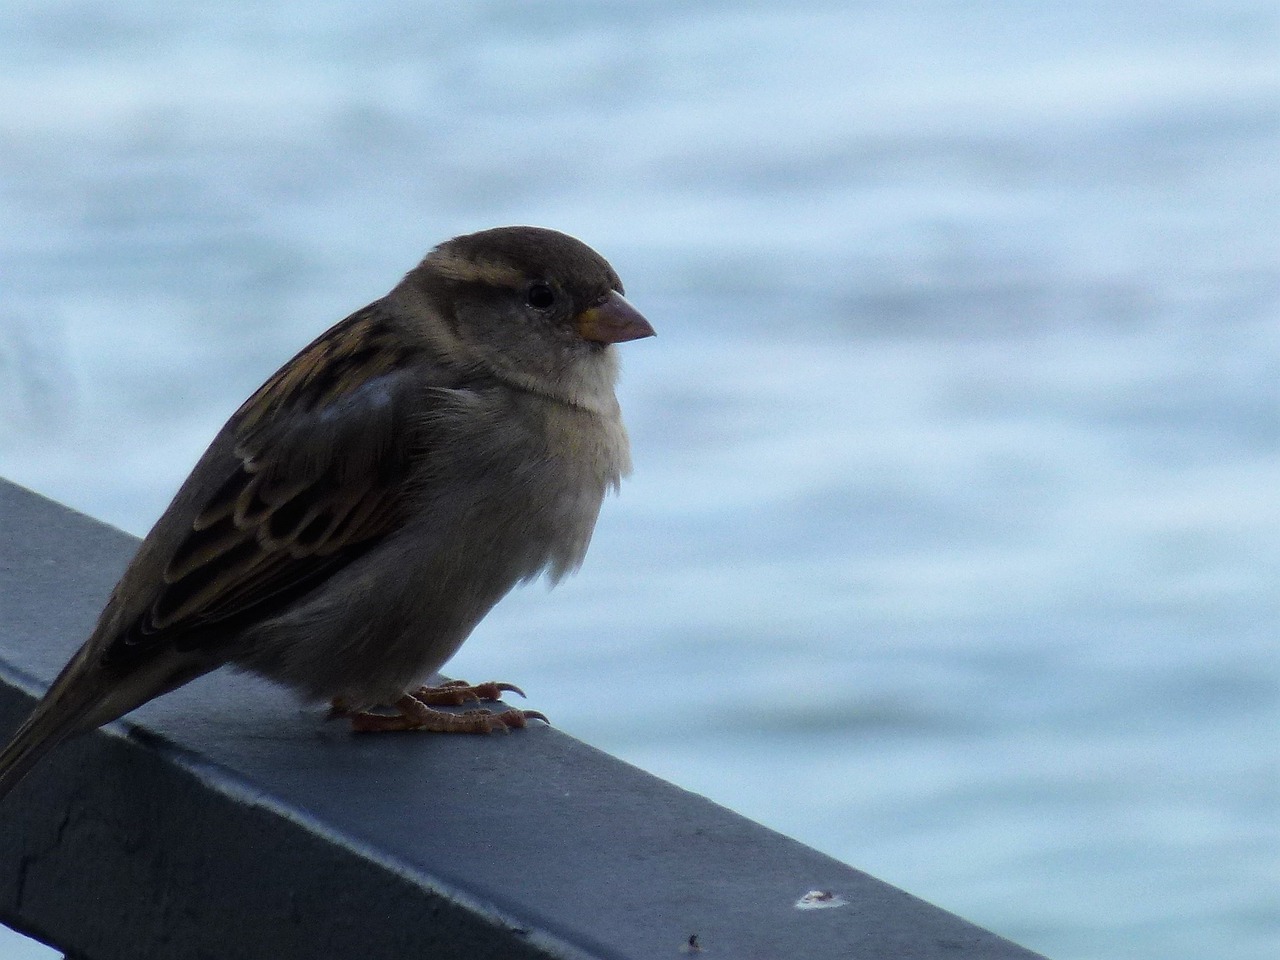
x=223 y=821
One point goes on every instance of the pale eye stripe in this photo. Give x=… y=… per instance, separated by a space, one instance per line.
x=488 y=272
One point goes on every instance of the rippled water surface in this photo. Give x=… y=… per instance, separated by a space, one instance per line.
x=953 y=542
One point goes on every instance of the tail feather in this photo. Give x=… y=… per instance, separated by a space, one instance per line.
x=40 y=733
x=84 y=697
x=64 y=711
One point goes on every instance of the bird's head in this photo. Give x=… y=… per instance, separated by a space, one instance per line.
x=533 y=305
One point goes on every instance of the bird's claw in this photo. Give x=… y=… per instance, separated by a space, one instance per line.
x=413 y=713
x=455 y=693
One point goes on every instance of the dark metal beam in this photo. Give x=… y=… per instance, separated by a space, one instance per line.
x=223 y=822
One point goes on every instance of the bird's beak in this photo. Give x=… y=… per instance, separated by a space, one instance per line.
x=612 y=320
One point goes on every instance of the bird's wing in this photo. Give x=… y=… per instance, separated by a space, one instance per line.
x=321 y=456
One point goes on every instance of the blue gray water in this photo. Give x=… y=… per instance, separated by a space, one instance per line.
x=953 y=542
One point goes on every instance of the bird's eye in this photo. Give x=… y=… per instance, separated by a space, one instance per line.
x=541 y=296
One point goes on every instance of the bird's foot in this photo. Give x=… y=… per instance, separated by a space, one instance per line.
x=414 y=714
x=455 y=693
x=451 y=693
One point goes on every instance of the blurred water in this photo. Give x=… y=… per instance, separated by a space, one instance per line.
x=952 y=547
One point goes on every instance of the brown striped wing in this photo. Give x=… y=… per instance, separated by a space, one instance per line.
x=321 y=455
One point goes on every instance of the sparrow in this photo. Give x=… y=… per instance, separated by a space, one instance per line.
x=363 y=510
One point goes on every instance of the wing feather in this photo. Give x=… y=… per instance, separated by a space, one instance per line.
x=321 y=457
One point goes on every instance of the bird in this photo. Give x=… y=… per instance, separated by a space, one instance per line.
x=366 y=507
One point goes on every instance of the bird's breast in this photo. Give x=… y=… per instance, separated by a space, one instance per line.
x=580 y=456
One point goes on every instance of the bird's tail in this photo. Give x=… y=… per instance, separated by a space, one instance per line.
x=41 y=732
x=67 y=708
x=83 y=697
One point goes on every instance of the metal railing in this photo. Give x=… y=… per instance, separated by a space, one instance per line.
x=223 y=822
